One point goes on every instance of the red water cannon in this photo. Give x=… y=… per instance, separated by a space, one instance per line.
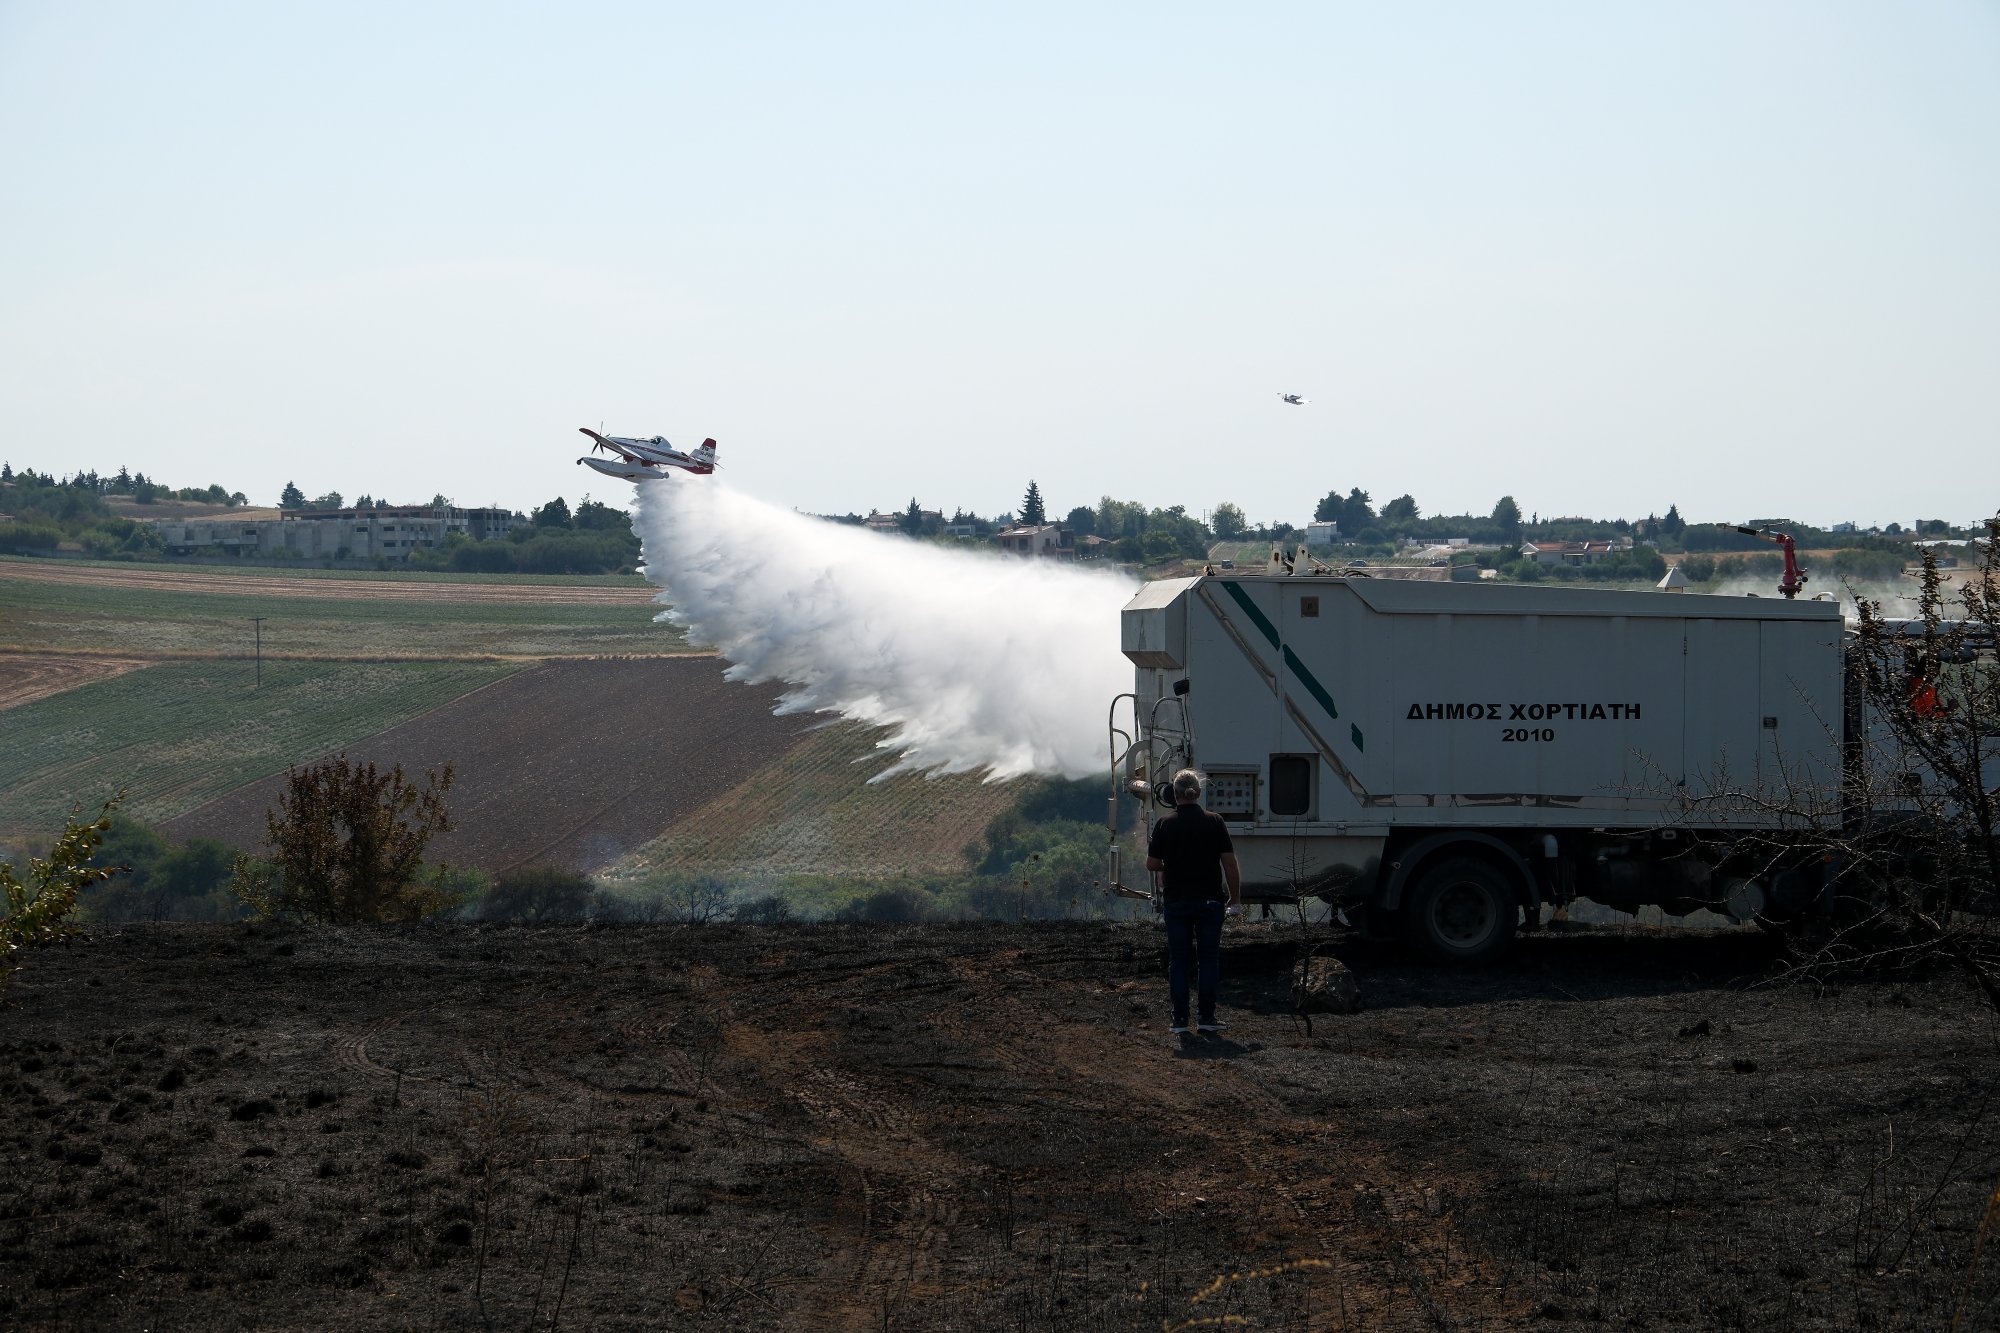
x=1795 y=578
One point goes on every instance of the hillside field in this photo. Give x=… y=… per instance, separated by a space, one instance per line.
x=815 y=809
x=571 y=763
x=176 y=734
x=583 y=733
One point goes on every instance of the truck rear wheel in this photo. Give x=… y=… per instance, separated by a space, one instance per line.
x=1462 y=910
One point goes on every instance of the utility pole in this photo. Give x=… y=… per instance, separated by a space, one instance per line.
x=258 y=621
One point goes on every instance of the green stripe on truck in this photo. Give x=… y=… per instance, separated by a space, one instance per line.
x=1297 y=667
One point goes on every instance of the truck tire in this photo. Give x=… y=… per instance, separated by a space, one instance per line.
x=1462 y=910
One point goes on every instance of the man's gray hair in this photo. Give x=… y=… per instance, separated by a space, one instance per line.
x=1187 y=785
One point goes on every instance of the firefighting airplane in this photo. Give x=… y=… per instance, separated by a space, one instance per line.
x=1294 y=399
x=645 y=460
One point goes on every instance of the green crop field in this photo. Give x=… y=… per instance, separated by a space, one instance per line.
x=176 y=734
x=137 y=620
x=811 y=811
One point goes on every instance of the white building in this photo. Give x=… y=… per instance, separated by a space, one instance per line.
x=326 y=534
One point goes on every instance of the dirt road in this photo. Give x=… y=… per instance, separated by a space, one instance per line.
x=331 y=589
x=976 y=1127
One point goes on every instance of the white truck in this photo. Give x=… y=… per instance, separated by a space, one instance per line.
x=1450 y=757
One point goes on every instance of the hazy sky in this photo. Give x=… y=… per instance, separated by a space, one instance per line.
x=1604 y=257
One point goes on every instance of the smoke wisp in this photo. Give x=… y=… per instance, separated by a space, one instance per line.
x=976 y=661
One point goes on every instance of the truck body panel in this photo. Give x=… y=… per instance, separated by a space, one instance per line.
x=1340 y=716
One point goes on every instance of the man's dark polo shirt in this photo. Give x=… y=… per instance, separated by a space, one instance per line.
x=1192 y=843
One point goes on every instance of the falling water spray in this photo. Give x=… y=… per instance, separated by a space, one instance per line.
x=974 y=661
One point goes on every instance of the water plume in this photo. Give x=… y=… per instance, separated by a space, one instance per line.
x=973 y=660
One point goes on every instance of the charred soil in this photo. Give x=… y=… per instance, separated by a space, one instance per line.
x=980 y=1126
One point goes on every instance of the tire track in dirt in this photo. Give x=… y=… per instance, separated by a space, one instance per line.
x=351 y=1052
x=890 y=1235
x=479 y=1065
x=1417 y=1240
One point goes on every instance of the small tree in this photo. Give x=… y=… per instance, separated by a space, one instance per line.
x=913 y=518
x=1925 y=854
x=554 y=514
x=37 y=909
x=1899 y=860
x=291 y=497
x=1032 y=512
x=1228 y=521
x=1507 y=515
x=347 y=845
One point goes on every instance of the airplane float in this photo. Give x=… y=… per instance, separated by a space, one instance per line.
x=1294 y=399
x=645 y=460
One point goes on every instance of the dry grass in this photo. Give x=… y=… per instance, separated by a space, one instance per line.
x=811 y=810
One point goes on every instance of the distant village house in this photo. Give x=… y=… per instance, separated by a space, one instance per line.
x=1050 y=541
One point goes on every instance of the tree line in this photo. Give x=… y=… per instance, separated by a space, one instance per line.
x=38 y=512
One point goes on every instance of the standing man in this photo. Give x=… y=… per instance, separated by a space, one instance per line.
x=1192 y=853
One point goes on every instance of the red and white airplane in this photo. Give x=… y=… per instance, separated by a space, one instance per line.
x=645 y=460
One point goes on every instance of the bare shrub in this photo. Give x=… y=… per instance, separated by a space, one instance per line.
x=1897 y=864
x=676 y=898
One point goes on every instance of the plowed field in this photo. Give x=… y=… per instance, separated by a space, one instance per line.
x=973 y=1128
x=573 y=763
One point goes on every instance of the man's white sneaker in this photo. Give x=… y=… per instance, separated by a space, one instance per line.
x=1211 y=1025
x=1178 y=1029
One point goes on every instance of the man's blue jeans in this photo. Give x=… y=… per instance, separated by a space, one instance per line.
x=1193 y=926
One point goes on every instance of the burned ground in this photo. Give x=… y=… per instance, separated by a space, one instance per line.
x=975 y=1126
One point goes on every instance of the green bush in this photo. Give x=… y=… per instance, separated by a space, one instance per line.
x=1867 y=566
x=16 y=537
x=537 y=894
x=899 y=903
x=37 y=910
x=164 y=881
